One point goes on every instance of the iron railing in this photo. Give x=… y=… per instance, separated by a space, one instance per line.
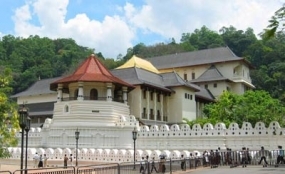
x=214 y=158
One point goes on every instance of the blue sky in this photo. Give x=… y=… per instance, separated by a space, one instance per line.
x=112 y=26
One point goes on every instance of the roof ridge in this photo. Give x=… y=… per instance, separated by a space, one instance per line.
x=206 y=49
x=232 y=52
x=214 y=67
x=137 y=74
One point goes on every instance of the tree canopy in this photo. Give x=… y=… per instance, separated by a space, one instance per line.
x=8 y=115
x=252 y=106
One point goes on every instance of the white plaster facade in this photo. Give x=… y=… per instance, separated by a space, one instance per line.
x=237 y=71
x=115 y=143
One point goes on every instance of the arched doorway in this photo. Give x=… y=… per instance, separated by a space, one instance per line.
x=93 y=94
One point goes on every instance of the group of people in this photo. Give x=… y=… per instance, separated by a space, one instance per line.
x=66 y=159
x=211 y=158
x=264 y=153
x=144 y=165
x=40 y=161
x=230 y=157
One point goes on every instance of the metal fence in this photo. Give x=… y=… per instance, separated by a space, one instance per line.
x=5 y=172
x=54 y=170
x=214 y=159
x=99 y=169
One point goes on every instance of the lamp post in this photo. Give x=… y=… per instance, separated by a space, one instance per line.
x=23 y=112
x=76 y=137
x=27 y=129
x=135 y=132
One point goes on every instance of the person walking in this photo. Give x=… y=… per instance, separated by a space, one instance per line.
x=71 y=159
x=36 y=160
x=182 y=162
x=153 y=166
x=65 y=159
x=280 y=157
x=146 y=165
x=262 y=155
x=248 y=156
x=40 y=165
x=244 y=158
x=142 y=165
x=45 y=158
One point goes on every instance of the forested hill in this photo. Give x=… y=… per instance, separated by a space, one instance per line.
x=35 y=57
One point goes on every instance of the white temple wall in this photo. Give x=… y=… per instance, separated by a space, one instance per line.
x=114 y=143
x=120 y=137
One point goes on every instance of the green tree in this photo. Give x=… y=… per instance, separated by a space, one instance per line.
x=238 y=40
x=8 y=115
x=276 y=24
x=203 y=39
x=252 y=106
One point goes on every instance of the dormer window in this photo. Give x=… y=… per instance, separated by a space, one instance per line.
x=193 y=75
x=185 y=77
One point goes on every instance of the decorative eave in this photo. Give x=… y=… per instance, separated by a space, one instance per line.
x=91 y=70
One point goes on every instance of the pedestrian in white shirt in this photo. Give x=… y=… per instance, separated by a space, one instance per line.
x=36 y=160
x=71 y=159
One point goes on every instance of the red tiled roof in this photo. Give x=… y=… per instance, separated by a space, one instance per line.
x=91 y=70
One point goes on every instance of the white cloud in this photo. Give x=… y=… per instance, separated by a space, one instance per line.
x=173 y=17
x=111 y=36
x=114 y=34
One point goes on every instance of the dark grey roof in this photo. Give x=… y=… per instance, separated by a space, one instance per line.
x=207 y=56
x=39 y=109
x=211 y=74
x=205 y=94
x=39 y=87
x=139 y=76
x=172 y=79
x=151 y=122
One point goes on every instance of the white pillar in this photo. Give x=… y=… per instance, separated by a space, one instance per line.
x=154 y=105
x=125 y=95
x=59 y=92
x=147 y=103
x=161 y=106
x=197 y=109
x=80 y=91
x=109 y=91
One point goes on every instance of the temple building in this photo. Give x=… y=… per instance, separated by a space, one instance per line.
x=155 y=91
x=106 y=106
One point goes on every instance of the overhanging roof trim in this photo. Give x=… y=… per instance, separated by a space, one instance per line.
x=38 y=88
x=91 y=70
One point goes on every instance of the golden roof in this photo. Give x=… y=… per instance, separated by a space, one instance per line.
x=139 y=63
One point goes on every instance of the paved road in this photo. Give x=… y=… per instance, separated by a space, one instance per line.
x=240 y=170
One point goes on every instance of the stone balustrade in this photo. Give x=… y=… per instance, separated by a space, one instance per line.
x=100 y=155
x=116 y=144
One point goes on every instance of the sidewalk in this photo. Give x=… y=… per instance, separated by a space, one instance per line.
x=13 y=165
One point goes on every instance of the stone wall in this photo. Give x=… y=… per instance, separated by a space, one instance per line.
x=116 y=143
